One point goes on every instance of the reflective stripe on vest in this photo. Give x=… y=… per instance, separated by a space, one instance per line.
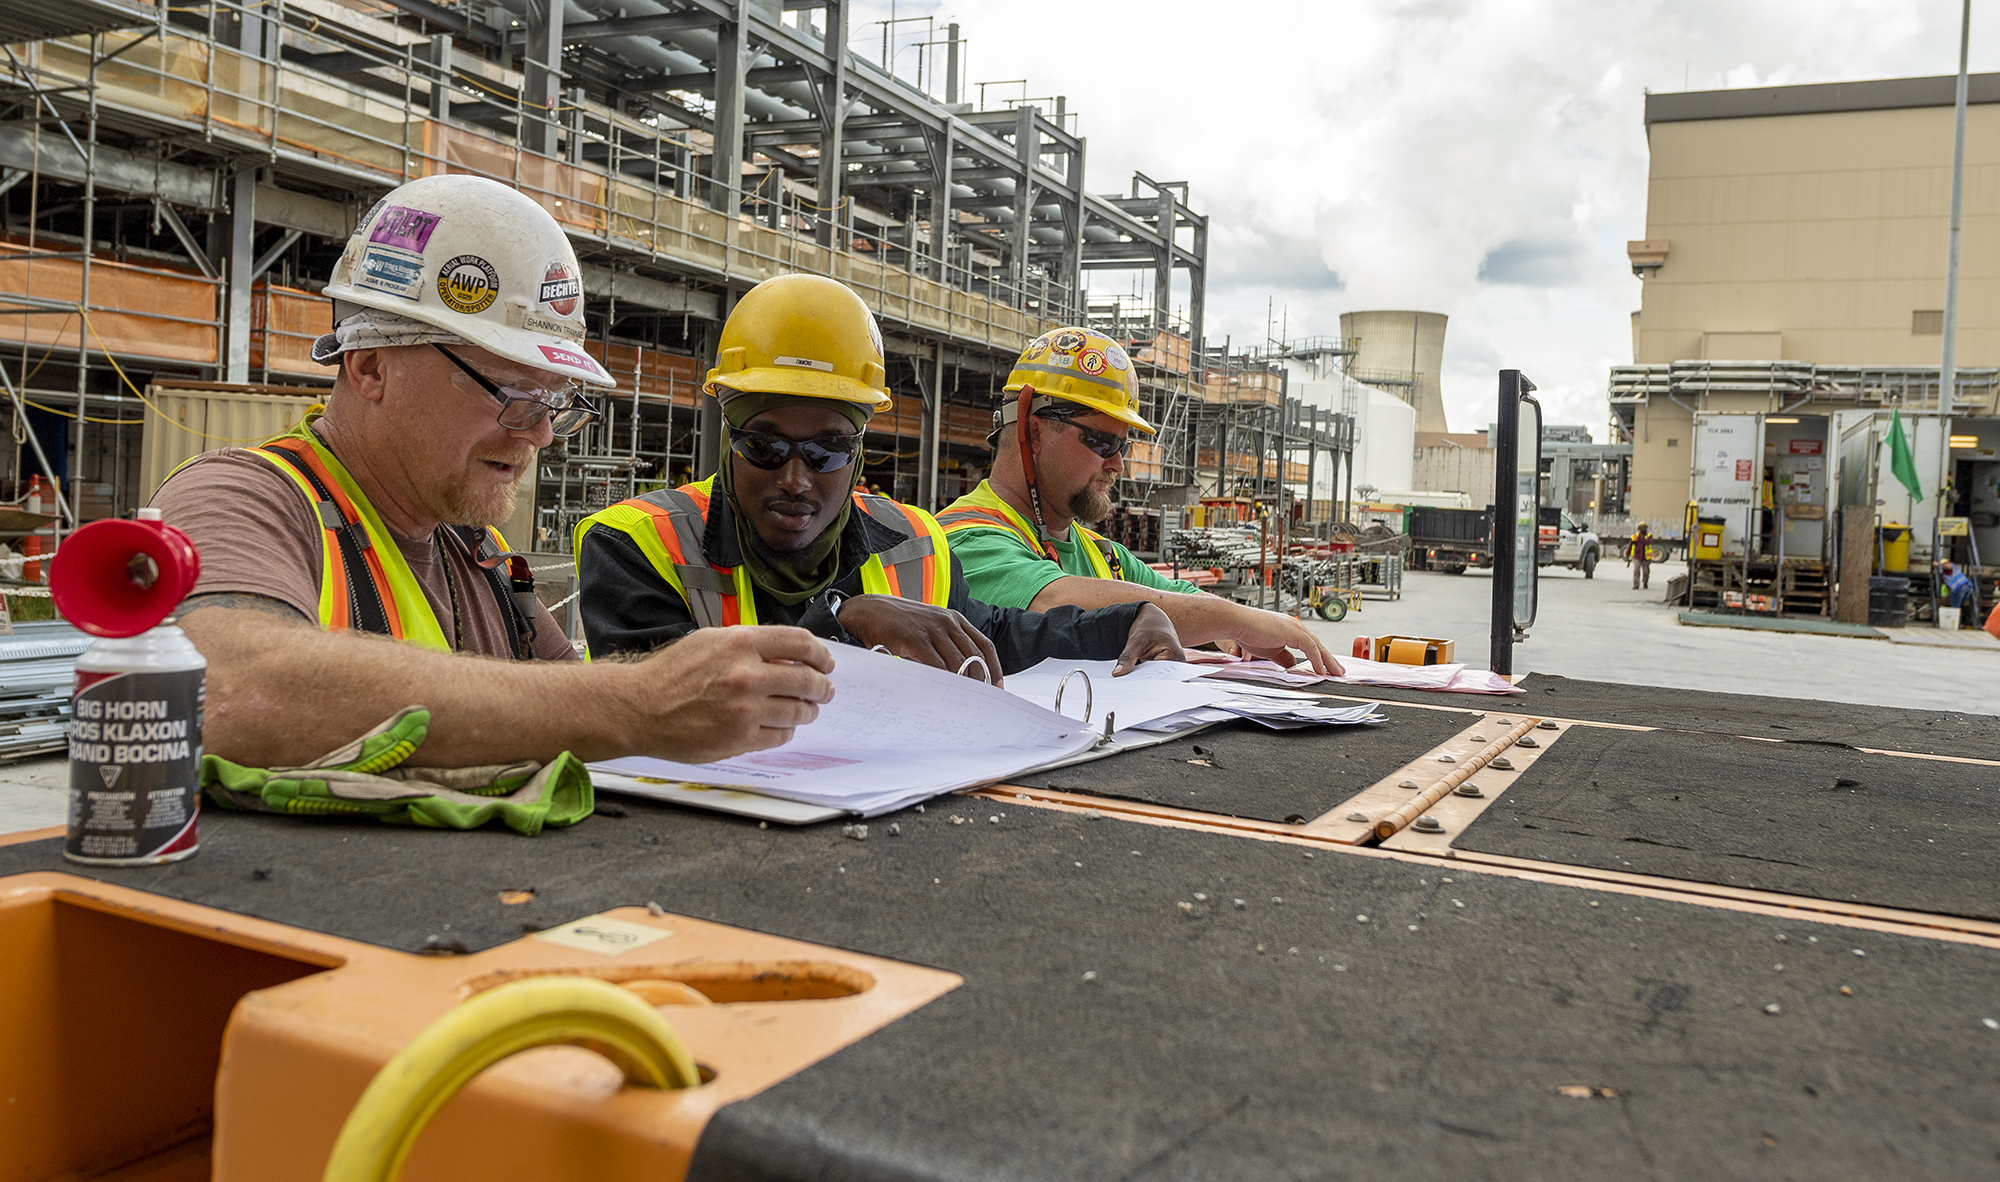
x=667 y=526
x=1095 y=546
x=365 y=584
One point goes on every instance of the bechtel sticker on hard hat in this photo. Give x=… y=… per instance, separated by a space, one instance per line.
x=560 y=289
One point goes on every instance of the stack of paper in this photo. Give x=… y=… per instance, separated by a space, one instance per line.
x=895 y=733
x=1168 y=697
x=1453 y=678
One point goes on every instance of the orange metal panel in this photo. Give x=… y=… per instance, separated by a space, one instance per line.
x=283 y=323
x=109 y=1071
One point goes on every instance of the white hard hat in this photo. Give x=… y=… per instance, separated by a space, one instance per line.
x=476 y=259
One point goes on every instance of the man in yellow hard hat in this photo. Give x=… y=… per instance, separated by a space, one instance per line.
x=781 y=533
x=1023 y=535
x=458 y=342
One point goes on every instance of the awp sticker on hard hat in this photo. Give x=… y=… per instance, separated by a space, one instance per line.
x=407 y=229
x=1069 y=341
x=468 y=284
x=560 y=289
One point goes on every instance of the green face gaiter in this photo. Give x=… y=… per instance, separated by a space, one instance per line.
x=789 y=579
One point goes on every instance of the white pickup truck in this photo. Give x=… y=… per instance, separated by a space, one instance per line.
x=1569 y=544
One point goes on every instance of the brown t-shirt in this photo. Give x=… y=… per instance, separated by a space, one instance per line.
x=258 y=534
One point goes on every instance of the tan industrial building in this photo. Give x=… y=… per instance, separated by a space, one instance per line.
x=1793 y=267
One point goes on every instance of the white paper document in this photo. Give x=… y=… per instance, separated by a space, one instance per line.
x=1150 y=692
x=896 y=732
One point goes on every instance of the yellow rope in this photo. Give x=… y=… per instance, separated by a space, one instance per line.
x=70 y=414
x=149 y=402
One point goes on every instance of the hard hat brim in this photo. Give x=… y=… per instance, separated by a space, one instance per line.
x=798 y=381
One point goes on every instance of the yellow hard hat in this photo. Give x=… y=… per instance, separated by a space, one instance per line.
x=804 y=335
x=1083 y=366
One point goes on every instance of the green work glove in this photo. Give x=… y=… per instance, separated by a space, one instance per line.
x=366 y=778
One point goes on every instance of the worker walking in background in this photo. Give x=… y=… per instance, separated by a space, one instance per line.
x=783 y=534
x=1640 y=552
x=458 y=337
x=1060 y=439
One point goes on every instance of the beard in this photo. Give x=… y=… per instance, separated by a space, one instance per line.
x=1090 y=505
x=479 y=503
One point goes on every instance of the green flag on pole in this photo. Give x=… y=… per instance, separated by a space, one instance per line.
x=1901 y=460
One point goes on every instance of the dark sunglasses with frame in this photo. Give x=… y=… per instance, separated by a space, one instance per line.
x=524 y=410
x=825 y=453
x=1102 y=444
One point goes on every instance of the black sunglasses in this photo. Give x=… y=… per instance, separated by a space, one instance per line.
x=524 y=410
x=828 y=453
x=1103 y=444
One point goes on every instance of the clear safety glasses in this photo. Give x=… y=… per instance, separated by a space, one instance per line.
x=828 y=453
x=524 y=410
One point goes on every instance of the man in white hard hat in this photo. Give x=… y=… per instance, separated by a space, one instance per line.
x=459 y=331
x=1060 y=439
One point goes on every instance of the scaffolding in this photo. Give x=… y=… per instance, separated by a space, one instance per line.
x=177 y=181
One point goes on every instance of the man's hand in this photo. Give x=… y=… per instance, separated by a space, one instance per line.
x=719 y=692
x=1270 y=635
x=937 y=636
x=1152 y=638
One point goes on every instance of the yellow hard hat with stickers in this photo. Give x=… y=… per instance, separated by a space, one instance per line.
x=1080 y=366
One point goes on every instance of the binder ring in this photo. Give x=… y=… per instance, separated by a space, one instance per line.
x=1089 y=698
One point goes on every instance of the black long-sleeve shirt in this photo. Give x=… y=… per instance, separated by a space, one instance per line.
x=628 y=608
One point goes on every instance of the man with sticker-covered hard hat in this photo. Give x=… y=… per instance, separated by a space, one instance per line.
x=783 y=534
x=1060 y=439
x=350 y=566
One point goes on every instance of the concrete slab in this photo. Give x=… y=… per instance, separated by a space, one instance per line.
x=1602 y=629
x=34 y=794
x=1973 y=639
x=1813 y=625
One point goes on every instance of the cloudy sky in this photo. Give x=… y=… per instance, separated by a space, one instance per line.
x=1484 y=160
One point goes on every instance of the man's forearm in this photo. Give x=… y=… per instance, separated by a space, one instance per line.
x=281 y=692
x=1198 y=617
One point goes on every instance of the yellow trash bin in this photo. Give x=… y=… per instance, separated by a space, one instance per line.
x=1895 y=547
x=1708 y=537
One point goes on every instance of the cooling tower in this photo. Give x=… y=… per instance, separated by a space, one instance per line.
x=1402 y=352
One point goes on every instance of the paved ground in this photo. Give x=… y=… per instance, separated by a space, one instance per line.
x=1603 y=630
x=1591 y=628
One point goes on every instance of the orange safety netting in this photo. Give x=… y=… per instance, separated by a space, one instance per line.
x=283 y=323
x=659 y=377
x=962 y=424
x=138 y=311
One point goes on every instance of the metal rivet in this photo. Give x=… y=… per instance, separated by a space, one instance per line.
x=1428 y=824
x=1468 y=790
x=1503 y=721
x=1477 y=738
x=1407 y=784
x=1361 y=817
x=1502 y=763
x=1526 y=741
x=1446 y=759
x=1548 y=726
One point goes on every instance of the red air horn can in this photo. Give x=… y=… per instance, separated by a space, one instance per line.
x=135 y=715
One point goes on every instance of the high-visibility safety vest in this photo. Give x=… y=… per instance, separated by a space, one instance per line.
x=993 y=512
x=667 y=526
x=365 y=585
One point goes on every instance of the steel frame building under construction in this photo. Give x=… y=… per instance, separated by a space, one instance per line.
x=178 y=180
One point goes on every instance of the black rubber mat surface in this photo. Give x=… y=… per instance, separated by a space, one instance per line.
x=1816 y=820
x=1928 y=732
x=1241 y=769
x=1103 y=1032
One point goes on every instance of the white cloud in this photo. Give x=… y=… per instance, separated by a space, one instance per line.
x=1485 y=160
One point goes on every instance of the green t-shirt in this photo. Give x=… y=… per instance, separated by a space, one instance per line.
x=1003 y=570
